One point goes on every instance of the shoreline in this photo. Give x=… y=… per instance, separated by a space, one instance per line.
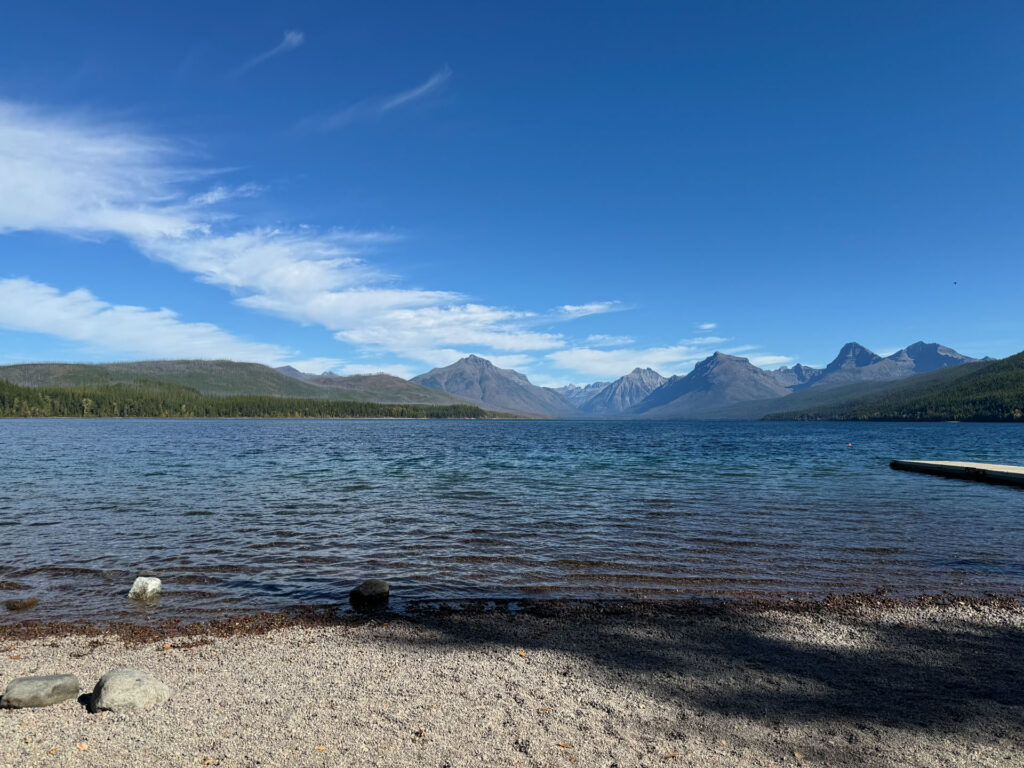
x=338 y=614
x=861 y=680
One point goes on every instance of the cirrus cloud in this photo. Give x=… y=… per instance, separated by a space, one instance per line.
x=90 y=179
x=292 y=39
x=26 y=305
x=677 y=359
x=376 y=108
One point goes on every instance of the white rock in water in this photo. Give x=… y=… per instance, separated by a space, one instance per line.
x=145 y=588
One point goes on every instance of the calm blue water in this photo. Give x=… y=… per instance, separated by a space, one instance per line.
x=246 y=515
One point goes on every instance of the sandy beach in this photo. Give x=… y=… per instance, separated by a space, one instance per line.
x=853 y=681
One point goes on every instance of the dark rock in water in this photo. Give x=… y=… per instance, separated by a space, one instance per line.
x=127 y=690
x=21 y=605
x=11 y=585
x=372 y=593
x=39 y=691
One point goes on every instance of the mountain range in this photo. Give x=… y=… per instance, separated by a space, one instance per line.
x=579 y=395
x=625 y=393
x=717 y=384
x=720 y=386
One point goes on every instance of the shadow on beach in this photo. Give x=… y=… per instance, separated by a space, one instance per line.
x=857 y=680
x=848 y=681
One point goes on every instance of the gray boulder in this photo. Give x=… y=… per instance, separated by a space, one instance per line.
x=39 y=691
x=128 y=690
x=372 y=593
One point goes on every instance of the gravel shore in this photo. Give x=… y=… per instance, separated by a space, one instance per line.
x=868 y=683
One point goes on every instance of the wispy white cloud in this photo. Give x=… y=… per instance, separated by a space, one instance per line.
x=677 y=359
x=317 y=365
x=86 y=178
x=425 y=88
x=81 y=177
x=78 y=315
x=374 y=108
x=542 y=379
x=707 y=326
x=317 y=278
x=705 y=340
x=612 y=363
x=292 y=39
x=605 y=340
x=418 y=331
x=270 y=262
x=221 y=193
x=510 y=361
x=573 y=311
x=65 y=174
x=770 y=360
x=392 y=369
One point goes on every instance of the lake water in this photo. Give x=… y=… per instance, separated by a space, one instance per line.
x=241 y=516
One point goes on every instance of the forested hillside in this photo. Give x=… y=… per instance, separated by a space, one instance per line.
x=223 y=378
x=162 y=400
x=994 y=391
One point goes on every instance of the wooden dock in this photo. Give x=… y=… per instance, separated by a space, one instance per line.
x=1002 y=474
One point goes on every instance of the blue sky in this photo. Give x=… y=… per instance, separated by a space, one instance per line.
x=572 y=190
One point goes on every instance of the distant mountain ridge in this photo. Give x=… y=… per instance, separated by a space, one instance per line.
x=720 y=386
x=797 y=377
x=579 y=395
x=482 y=383
x=622 y=394
x=930 y=357
x=856 y=363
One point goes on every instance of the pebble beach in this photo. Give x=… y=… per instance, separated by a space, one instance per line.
x=853 y=681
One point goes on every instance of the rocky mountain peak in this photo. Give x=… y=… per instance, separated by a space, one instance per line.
x=853 y=355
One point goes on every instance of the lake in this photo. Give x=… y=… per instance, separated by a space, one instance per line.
x=239 y=516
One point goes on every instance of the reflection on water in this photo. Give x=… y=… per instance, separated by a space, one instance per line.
x=253 y=515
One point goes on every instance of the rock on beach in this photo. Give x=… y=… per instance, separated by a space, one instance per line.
x=127 y=690
x=40 y=691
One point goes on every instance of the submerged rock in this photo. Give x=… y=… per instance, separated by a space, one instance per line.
x=372 y=593
x=145 y=588
x=21 y=605
x=40 y=691
x=128 y=690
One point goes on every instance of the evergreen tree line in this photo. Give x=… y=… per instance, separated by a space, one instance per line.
x=153 y=399
x=995 y=392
